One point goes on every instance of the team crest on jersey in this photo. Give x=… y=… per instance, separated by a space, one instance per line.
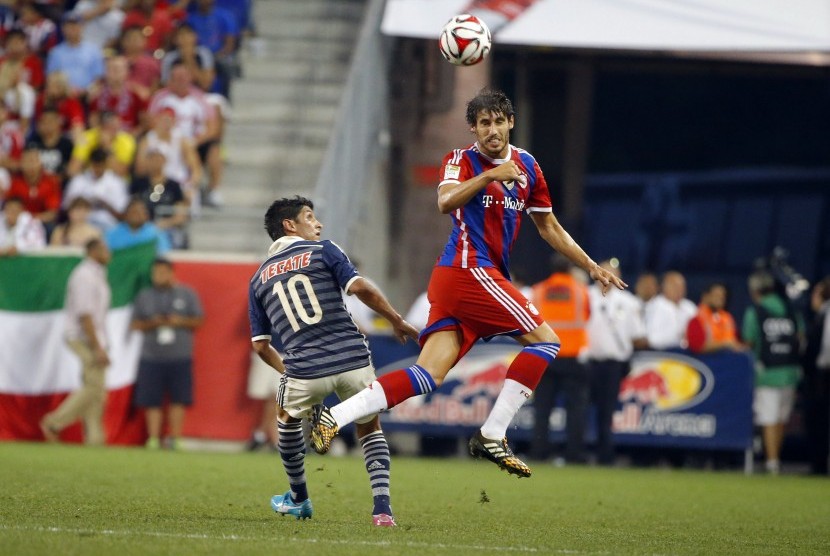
x=510 y=184
x=451 y=172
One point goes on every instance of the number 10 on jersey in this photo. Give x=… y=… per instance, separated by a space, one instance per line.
x=294 y=307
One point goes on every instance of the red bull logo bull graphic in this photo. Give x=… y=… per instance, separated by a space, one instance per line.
x=656 y=392
x=466 y=396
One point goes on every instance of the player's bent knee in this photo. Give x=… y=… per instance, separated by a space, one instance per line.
x=542 y=334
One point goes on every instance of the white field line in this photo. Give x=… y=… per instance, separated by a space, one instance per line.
x=203 y=536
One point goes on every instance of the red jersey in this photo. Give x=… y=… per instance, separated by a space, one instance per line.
x=70 y=109
x=485 y=229
x=11 y=140
x=44 y=197
x=128 y=105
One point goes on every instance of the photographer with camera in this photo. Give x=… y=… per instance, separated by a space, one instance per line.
x=774 y=331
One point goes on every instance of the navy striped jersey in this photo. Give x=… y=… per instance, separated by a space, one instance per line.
x=297 y=294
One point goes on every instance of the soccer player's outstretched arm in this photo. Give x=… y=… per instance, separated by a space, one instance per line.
x=557 y=237
x=373 y=298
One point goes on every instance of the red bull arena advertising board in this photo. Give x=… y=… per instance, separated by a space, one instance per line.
x=668 y=398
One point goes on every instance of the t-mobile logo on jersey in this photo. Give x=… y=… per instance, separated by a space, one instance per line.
x=508 y=202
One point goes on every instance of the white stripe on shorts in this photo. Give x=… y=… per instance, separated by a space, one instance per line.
x=522 y=316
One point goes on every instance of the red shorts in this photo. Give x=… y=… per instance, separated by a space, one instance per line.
x=479 y=303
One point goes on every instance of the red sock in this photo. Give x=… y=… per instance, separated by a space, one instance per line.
x=527 y=369
x=404 y=383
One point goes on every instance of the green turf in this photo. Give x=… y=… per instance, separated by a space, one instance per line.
x=76 y=500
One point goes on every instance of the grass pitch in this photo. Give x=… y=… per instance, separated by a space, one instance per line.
x=74 y=500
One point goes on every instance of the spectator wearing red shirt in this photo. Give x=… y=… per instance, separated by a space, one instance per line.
x=39 y=190
x=56 y=93
x=113 y=94
x=144 y=73
x=713 y=328
x=11 y=142
x=17 y=53
x=155 y=22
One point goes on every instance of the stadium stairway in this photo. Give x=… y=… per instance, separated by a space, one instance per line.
x=283 y=109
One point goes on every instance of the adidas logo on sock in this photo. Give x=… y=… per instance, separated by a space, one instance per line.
x=375 y=465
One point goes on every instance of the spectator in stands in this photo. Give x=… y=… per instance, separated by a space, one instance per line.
x=167 y=314
x=197 y=58
x=11 y=143
x=144 y=73
x=182 y=162
x=668 y=313
x=136 y=229
x=197 y=120
x=562 y=300
x=646 y=288
x=41 y=32
x=39 y=190
x=105 y=190
x=20 y=232
x=241 y=12
x=109 y=135
x=102 y=21
x=163 y=197
x=56 y=94
x=76 y=231
x=87 y=302
x=114 y=94
x=54 y=146
x=615 y=330
x=217 y=30
x=713 y=328
x=155 y=20
x=80 y=60
x=817 y=379
x=774 y=330
x=16 y=54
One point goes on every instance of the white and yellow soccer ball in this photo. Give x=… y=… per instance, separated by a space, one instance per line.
x=465 y=40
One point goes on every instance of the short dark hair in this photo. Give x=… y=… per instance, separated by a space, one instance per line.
x=282 y=209
x=489 y=100
x=98 y=155
x=93 y=244
x=159 y=261
x=15 y=199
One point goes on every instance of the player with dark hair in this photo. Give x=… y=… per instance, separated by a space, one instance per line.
x=296 y=293
x=484 y=187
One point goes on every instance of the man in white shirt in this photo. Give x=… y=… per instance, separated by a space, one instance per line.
x=87 y=302
x=105 y=190
x=668 y=314
x=19 y=230
x=615 y=329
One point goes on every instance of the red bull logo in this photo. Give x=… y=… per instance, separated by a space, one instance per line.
x=656 y=391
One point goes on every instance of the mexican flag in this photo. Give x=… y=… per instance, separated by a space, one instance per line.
x=38 y=370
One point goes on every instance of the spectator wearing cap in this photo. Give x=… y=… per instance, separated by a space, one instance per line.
x=55 y=147
x=113 y=94
x=19 y=231
x=144 y=73
x=156 y=22
x=41 y=32
x=109 y=135
x=57 y=95
x=135 y=229
x=76 y=231
x=102 y=21
x=105 y=190
x=82 y=61
x=182 y=162
x=39 y=190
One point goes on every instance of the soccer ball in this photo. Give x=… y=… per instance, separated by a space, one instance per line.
x=465 y=40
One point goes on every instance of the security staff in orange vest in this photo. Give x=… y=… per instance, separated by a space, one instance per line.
x=713 y=329
x=563 y=302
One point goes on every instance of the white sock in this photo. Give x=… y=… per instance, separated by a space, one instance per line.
x=513 y=395
x=367 y=402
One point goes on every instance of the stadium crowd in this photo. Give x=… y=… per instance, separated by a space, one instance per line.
x=105 y=101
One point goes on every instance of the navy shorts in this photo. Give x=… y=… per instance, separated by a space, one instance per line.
x=157 y=378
